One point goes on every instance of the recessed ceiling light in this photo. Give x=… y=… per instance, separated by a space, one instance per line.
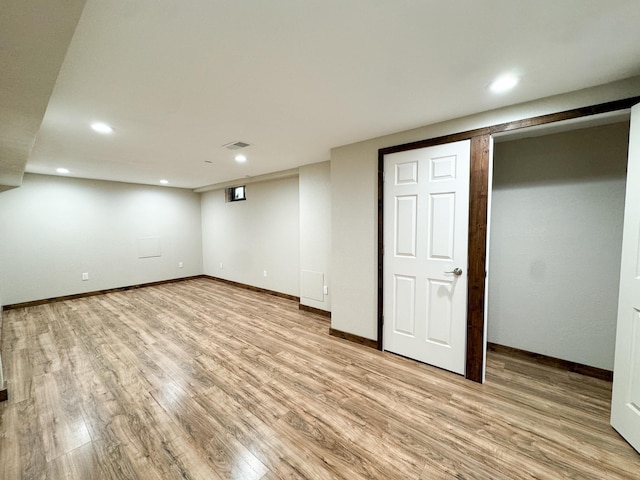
x=101 y=127
x=62 y=170
x=164 y=182
x=504 y=83
x=240 y=158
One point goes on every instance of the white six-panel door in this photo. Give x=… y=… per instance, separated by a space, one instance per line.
x=426 y=214
x=625 y=403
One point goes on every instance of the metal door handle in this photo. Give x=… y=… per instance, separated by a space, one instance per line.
x=456 y=271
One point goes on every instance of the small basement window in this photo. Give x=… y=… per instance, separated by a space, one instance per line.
x=235 y=194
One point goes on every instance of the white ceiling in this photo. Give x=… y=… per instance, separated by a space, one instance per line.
x=295 y=78
x=34 y=37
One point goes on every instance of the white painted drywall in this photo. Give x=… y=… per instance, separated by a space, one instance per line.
x=1 y=371
x=52 y=229
x=556 y=238
x=315 y=229
x=354 y=200
x=251 y=236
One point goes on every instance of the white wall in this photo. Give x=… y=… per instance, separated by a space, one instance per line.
x=52 y=229
x=1 y=370
x=315 y=235
x=556 y=238
x=354 y=200
x=251 y=236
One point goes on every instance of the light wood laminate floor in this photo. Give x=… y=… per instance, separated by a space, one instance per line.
x=202 y=380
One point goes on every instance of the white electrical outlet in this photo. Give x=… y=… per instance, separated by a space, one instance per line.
x=265 y=273
x=325 y=290
x=221 y=266
x=180 y=265
x=85 y=277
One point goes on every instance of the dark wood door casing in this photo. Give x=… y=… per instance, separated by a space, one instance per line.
x=477 y=257
x=478 y=214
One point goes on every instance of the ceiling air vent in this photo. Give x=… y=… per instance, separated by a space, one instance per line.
x=236 y=145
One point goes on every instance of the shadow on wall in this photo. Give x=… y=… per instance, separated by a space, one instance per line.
x=547 y=163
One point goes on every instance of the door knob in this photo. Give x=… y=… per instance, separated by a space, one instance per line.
x=456 y=271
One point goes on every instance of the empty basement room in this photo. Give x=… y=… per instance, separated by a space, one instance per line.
x=268 y=240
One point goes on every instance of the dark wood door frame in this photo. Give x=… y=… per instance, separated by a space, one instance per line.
x=478 y=197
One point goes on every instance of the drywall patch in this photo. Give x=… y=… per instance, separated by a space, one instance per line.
x=312 y=285
x=149 y=247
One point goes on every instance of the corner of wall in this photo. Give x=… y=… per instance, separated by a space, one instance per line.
x=315 y=236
